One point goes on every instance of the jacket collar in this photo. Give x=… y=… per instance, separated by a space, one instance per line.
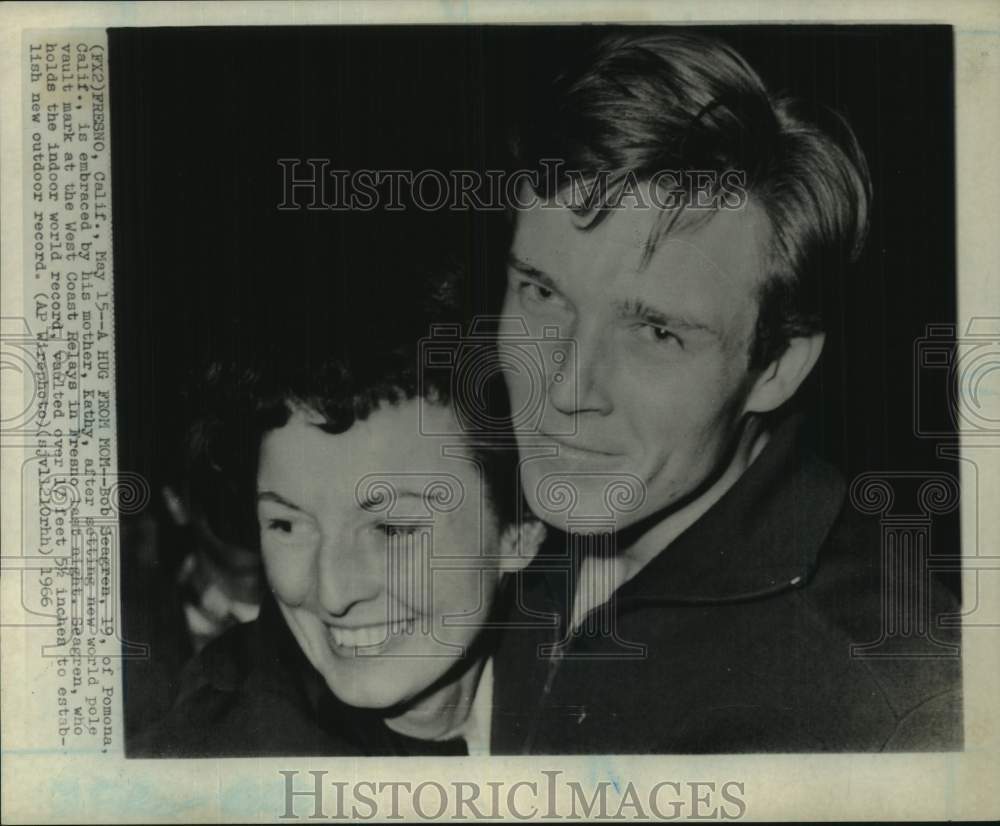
x=763 y=536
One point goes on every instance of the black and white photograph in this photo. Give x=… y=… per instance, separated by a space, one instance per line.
x=700 y=258
x=499 y=390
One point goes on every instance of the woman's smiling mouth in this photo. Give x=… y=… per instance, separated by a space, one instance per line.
x=368 y=636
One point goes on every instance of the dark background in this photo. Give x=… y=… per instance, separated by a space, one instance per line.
x=207 y=267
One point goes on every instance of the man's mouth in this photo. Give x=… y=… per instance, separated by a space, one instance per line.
x=366 y=636
x=573 y=449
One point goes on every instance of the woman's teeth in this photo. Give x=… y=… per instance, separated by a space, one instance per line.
x=368 y=635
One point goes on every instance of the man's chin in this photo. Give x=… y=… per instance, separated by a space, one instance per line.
x=585 y=501
x=580 y=507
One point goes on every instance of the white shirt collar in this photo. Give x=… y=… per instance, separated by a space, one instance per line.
x=478 y=725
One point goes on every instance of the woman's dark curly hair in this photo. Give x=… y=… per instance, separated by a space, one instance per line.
x=377 y=355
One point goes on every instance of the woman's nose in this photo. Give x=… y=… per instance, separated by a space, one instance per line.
x=348 y=575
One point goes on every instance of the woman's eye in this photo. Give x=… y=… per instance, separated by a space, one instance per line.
x=398 y=530
x=281 y=529
x=280 y=525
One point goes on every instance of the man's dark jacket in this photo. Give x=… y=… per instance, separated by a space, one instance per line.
x=747 y=621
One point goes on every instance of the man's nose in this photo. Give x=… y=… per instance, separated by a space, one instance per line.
x=348 y=576
x=577 y=383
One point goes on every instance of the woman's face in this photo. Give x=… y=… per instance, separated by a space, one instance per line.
x=383 y=552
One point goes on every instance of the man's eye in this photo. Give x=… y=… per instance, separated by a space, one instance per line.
x=534 y=291
x=658 y=334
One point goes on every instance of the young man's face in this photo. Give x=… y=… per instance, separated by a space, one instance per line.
x=381 y=552
x=656 y=384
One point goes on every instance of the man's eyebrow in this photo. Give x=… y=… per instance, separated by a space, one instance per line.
x=271 y=496
x=374 y=502
x=636 y=308
x=527 y=269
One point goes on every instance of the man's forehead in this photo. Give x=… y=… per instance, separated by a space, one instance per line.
x=727 y=241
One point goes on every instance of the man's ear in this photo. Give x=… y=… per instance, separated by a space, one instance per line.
x=519 y=544
x=778 y=381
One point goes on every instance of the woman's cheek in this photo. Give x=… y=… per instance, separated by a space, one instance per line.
x=290 y=576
